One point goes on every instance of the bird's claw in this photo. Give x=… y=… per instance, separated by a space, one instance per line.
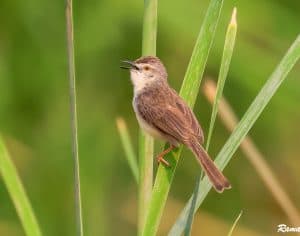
x=160 y=159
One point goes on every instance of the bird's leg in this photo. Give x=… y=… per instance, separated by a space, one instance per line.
x=160 y=157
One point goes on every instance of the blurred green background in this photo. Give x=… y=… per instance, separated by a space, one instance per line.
x=34 y=110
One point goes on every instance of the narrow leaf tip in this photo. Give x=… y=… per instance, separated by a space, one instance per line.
x=233 y=17
x=120 y=123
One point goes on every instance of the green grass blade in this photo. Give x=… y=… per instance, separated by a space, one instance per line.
x=73 y=113
x=149 y=28
x=234 y=224
x=192 y=80
x=189 y=92
x=17 y=193
x=226 y=58
x=146 y=142
x=188 y=226
x=127 y=146
x=246 y=123
x=255 y=157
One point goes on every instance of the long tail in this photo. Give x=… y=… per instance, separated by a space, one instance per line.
x=215 y=176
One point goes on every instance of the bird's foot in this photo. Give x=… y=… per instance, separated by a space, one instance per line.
x=160 y=159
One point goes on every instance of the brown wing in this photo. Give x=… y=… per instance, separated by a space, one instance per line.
x=168 y=113
x=190 y=117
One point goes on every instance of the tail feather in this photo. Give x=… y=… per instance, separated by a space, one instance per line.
x=216 y=177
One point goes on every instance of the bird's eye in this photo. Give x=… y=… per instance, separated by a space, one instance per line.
x=146 y=68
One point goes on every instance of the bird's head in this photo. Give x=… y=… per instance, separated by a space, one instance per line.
x=145 y=71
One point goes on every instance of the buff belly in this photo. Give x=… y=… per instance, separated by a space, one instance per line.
x=149 y=129
x=153 y=131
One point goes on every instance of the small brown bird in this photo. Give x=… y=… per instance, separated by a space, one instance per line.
x=162 y=113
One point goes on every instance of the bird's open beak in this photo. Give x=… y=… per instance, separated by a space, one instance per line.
x=129 y=65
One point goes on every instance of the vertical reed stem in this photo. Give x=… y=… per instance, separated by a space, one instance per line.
x=73 y=112
x=146 y=142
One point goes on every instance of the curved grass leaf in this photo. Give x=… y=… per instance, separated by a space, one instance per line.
x=246 y=123
x=17 y=193
x=128 y=149
x=226 y=59
x=234 y=224
x=255 y=157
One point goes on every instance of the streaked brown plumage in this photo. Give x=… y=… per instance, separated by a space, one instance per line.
x=164 y=114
